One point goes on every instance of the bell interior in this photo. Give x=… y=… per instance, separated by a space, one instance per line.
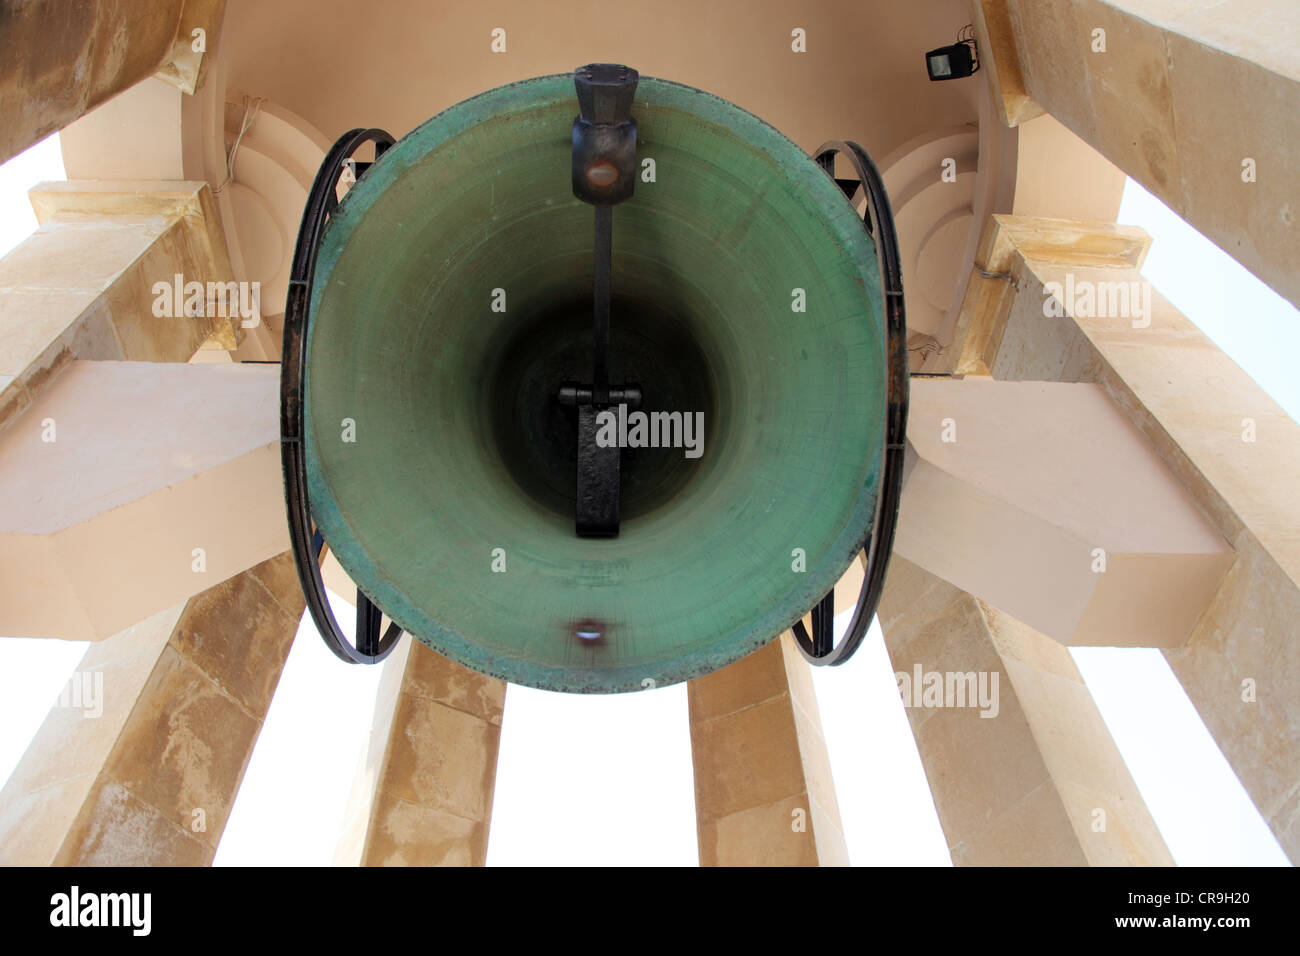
x=452 y=298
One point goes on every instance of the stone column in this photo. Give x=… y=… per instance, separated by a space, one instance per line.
x=83 y=285
x=1199 y=101
x=1229 y=445
x=1021 y=766
x=423 y=795
x=763 y=789
x=140 y=761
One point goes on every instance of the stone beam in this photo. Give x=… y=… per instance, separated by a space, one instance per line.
x=1021 y=766
x=763 y=789
x=60 y=58
x=1199 y=101
x=1042 y=499
x=82 y=286
x=186 y=66
x=1000 y=61
x=139 y=762
x=129 y=486
x=423 y=796
x=154 y=132
x=1235 y=451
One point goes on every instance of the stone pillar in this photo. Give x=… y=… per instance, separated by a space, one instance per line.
x=423 y=796
x=1199 y=101
x=140 y=761
x=83 y=285
x=1020 y=764
x=1235 y=451
x=129 y=486
x=1042 y=499
x=763 y=789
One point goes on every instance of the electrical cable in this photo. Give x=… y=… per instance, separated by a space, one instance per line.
x=250 y=116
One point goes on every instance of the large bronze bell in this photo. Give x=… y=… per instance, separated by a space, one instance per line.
x=450 y=376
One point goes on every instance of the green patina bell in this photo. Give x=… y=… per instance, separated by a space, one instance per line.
x=453 y=298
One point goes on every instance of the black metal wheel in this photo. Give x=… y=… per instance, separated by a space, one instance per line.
x=819 y=647
x=308 y=544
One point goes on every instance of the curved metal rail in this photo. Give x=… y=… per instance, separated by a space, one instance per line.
x=819 y=647
x=307 y=542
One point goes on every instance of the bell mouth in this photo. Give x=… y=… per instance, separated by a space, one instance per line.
x=452 y=298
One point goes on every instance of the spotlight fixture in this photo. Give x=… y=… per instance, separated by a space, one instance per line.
x=954 y=62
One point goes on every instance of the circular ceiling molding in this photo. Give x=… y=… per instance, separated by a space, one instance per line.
x=940 y=251
x=259 y=235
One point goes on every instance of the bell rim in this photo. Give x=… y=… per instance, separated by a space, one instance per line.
x=766 y=624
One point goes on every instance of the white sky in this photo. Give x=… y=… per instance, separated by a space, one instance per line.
x=608 y=780
x=42 y=162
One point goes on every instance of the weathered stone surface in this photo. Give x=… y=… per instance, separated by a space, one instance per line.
x=410 y=834
x=763 y=789
x=428 y=677
x=423 y=793
x=1033 y=831
x=245 y=660
x=185 y=743
x=81 y=287
x=1001 y=61
x=746 y=759
x=761 y=836
x=1250 y=634
x=185 y=67
x=151 y=779
x=60 y=58
x=116 y=828
x=1180 y=98
x=1019 y=778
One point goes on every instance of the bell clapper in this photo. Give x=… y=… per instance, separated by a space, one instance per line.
x=604 y=174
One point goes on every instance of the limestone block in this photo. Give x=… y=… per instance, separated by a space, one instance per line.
x=82 y=286
x=149 y=775
x=1027 y=775
x=1184 y=97
x=60 y=58
x=423 y=796
x=763 y=789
